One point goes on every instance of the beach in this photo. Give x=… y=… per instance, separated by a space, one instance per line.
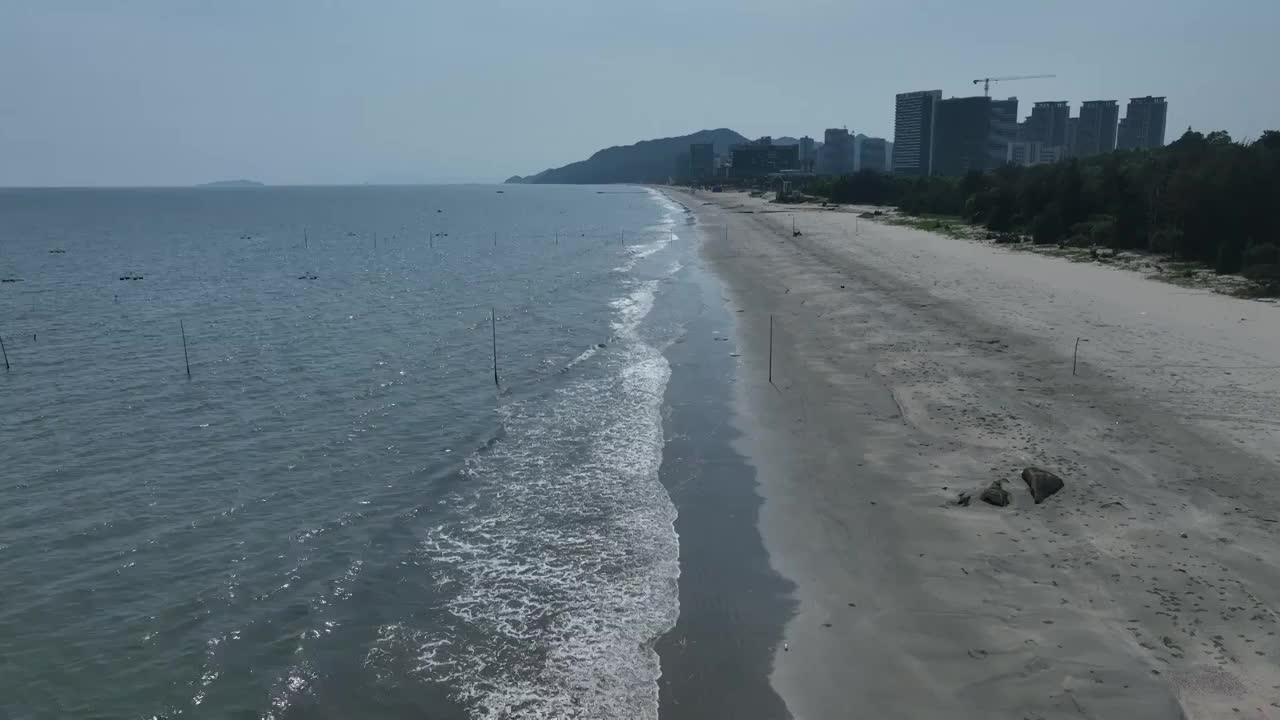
x=885 y=370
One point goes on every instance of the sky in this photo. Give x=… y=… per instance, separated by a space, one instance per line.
x=176 y=92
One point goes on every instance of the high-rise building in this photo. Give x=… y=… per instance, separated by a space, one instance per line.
x=1143 y=124
x=1095 y=132
x=873 y=154
x=808 y=154
x=702 y=160
x=1003 y=130
x=837 y=152
x=1048 y=123
x=755 y=159
x=1073 y=125
x=681 y=169
x=914 y=118
x=961 y=135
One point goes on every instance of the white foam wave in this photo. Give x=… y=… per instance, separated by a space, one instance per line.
x=561 y=572
x=582 y=357
x=663 y=233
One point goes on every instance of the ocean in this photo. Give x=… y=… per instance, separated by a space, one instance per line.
x=338 y=514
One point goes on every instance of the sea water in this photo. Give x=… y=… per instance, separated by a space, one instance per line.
x=339 y=513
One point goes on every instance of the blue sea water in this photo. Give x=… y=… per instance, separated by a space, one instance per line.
x=338 y=514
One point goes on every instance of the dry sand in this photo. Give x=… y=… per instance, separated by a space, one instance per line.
x=908 y=367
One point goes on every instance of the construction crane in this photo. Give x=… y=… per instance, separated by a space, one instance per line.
x=986 y=82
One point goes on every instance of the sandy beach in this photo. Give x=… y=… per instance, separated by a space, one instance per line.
x=908 y=367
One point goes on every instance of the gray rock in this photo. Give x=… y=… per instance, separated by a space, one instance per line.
x=995 y=494
x=1041 y=483
x=963 y=499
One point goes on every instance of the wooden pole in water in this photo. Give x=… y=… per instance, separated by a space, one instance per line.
x=185 y=357
x=5 y=353
x=557 y=237
x=770 y=349
x=493 y=323
x=495 y=239
x=1074 y=356
x=306 y=242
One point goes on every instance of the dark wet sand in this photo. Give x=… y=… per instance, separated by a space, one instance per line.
x=733 y=606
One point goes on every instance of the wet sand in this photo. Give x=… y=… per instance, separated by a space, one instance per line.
x=716 y=661
x=908 y=367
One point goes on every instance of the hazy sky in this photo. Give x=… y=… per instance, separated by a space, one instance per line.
x=158 y=92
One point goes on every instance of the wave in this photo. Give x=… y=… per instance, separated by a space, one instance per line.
x=559 y=568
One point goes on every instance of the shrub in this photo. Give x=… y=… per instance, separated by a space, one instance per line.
x=1047 y=227
x=1262 y=254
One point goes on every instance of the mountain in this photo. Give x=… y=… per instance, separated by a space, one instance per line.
x=232 y=184
x=645 y=161
x=786 y=141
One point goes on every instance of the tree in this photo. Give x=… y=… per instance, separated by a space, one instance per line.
x=1047 y=227
x=1218 y=137
x=1204 y=197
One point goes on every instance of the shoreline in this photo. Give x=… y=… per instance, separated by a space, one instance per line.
x=717 y=658
x=908 y=367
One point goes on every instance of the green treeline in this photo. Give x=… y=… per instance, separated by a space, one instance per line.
x=1202 y=198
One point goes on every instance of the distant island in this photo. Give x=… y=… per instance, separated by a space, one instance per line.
x=232 y=184
x=647 y=161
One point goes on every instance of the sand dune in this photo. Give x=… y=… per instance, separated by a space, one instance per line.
x=908 y=367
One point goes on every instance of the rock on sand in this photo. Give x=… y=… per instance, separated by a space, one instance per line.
x=1041 y=483
x=995 y=494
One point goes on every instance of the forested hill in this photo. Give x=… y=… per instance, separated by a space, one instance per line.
x=646 y=161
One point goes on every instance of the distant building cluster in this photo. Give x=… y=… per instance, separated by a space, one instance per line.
x=933 y=136
x=840 y=152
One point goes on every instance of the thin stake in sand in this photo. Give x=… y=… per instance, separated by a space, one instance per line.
x=5 y=353
x=771 y=349
x=1074 y=356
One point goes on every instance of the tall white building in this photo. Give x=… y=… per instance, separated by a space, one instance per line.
x=913 y=123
